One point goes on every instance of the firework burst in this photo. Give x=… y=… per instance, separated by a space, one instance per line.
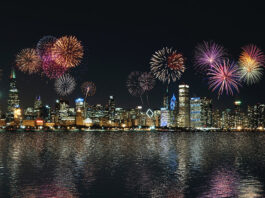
x=147 y=81
x=207 y=54
x=28 y=61
x=52 y=70
x=167 y=65
x=133 y=84
x=252 y=52
x=65 y=85
x=88 y=88
x=224 y=76
x=45 y=45
x=68 y=51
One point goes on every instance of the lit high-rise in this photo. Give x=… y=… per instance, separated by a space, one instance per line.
x=184 y=106
x=13 y=100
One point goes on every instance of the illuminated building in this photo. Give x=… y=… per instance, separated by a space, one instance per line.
x=165 y=118
x=29 y=114
x=79 y=106
x=17 y=116
x=38 y=107
x=256 y=116
x=227 y=119
x=206 y=112
x=238 y=119
x=157 y=117
x=195 y=112
x=217 y=123
x=173 y=111
x=184 y=106
x=111 y=108
x=13 y=100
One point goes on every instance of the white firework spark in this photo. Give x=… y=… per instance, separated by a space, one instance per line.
x=65 y=85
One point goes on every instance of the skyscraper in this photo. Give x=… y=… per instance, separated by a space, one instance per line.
x=111 y=108
x=195 y=112
x=13 y=101
x=38 y=107
x=165 y=100
x=184 y=106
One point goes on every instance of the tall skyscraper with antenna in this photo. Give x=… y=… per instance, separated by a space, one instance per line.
x=13 y=100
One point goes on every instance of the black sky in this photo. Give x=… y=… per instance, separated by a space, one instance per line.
x=121 y=37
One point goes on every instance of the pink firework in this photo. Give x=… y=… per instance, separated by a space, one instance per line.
x=224 y=76
x=253 y=52
x=207 y=54
x=52 y=70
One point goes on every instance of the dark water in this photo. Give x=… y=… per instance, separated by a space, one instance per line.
x=68 y=165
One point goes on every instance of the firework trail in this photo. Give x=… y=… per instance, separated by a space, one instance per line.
x=45 y=45
x=147 y=83
x=167 y=65
x=207 y=54
x=88 y=88
x=52 y=70
x=65 y=85
x=68 y=51
x=28 y=61
x=224 y=76
x=133 y=84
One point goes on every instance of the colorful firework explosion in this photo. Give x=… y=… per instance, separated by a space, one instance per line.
x=52 y=70
x=88 y=88
x=252 y=52
x=251 y=60
x=45 y=45
x=65 y=85
x=167 y=65
x=133 y=84
x=68 y=51
x=147 y=81
x=224 y=76
x=28 y=61
x=206 y=54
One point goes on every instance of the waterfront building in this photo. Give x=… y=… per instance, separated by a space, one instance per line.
x=173 y=111
x=195 y=112
x=165 y=117
x=111 y=108
x=79 y=107
x=165 y=100
x=184 y=106
x=38 y=107
x=227 y=119
x=238 y=119
x=13 y=100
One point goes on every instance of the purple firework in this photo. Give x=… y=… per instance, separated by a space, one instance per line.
x=44 y=45
x=207 y=54
x=133 y=84
x=224 y=76
x=147 y=81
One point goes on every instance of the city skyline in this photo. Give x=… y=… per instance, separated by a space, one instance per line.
x=120 y=47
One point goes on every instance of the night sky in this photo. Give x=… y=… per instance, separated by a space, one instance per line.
x=120 y=38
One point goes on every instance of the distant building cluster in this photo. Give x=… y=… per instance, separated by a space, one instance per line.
x=183 y=112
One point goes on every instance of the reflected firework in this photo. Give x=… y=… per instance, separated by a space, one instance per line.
x=88 y=88
x=28 y=61
x=147 y=81
x=224 y=76
x=52 y=70
x=167 y=65
x=45 y=45
x=68 y=51
x=133 y=84
x=65 y=85
x=207 y=54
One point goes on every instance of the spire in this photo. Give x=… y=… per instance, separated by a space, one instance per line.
x=13 y=74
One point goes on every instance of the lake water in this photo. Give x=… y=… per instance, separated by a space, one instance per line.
x=132 y=164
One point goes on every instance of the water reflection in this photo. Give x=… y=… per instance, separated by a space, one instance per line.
x=132 y=165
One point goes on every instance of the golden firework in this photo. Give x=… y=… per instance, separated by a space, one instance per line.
x=67 y=51
x=28 y=61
